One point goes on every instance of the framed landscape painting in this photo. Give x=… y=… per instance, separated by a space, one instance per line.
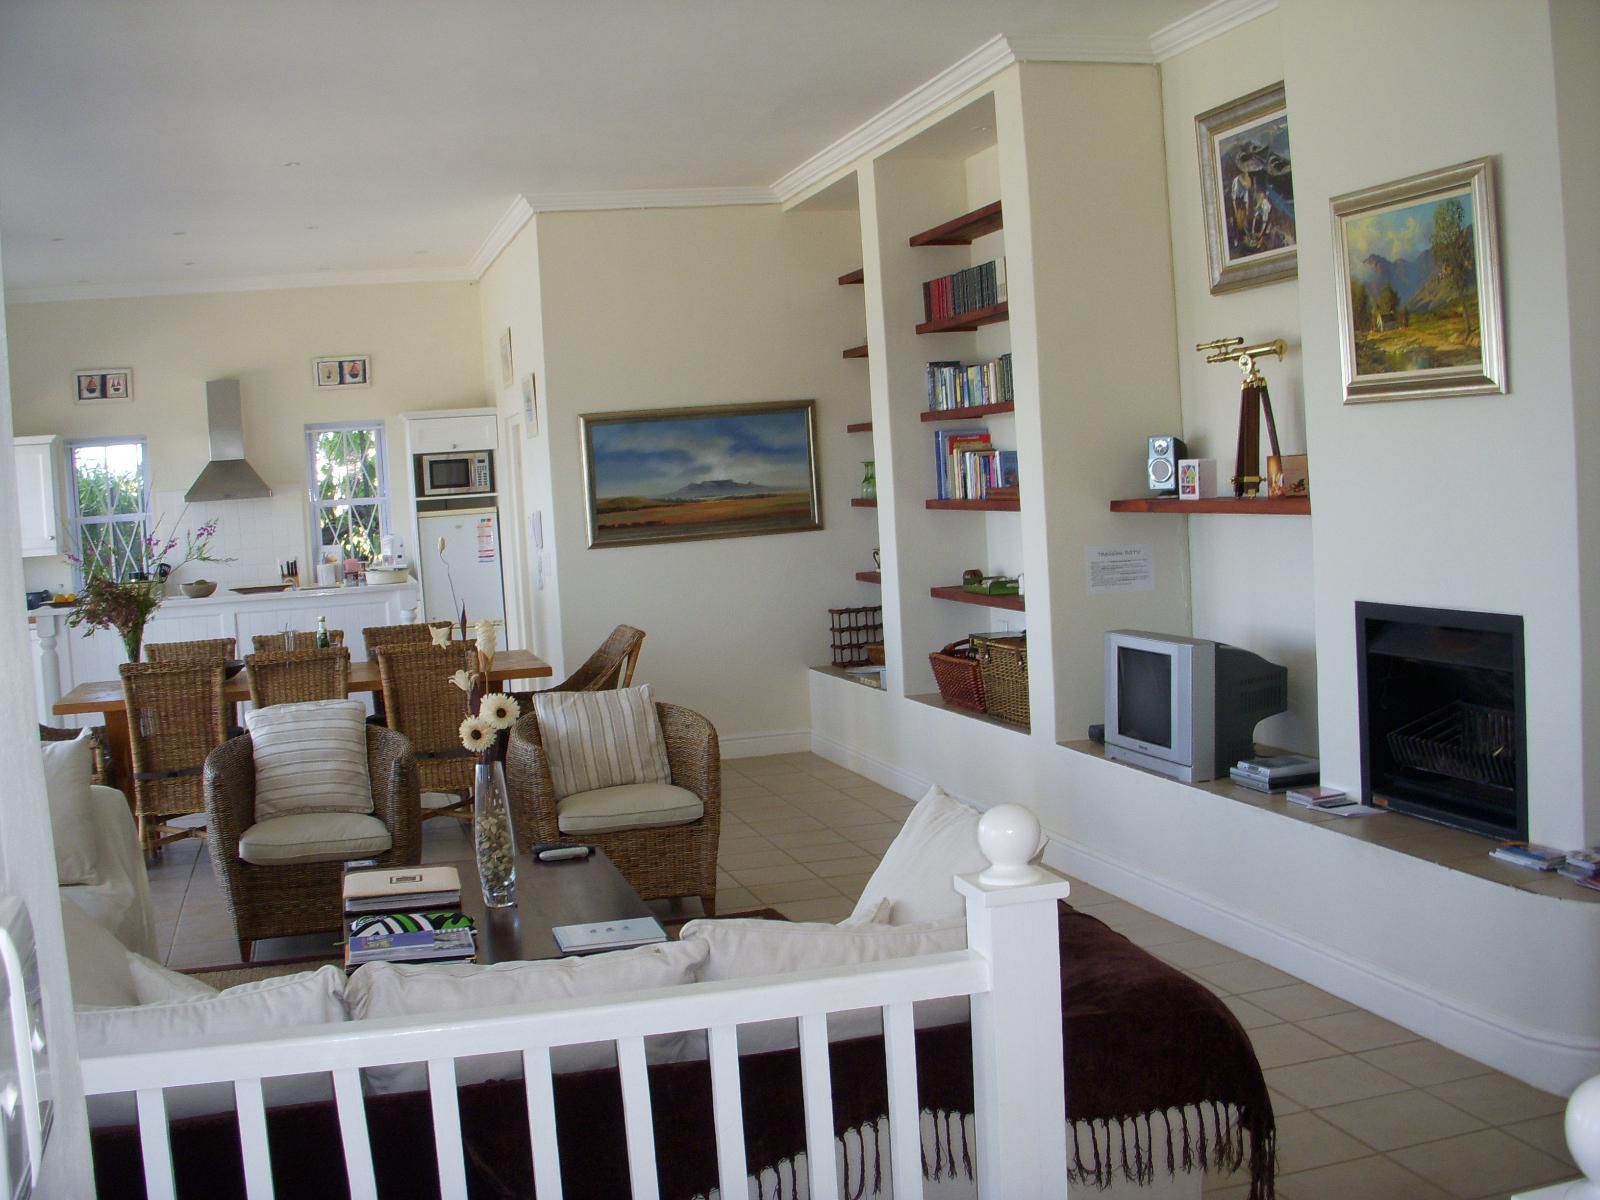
x=678 y=474
x=1418 y=272
x=1247 y=190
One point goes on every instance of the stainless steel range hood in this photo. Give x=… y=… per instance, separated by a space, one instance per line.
x=227 y=476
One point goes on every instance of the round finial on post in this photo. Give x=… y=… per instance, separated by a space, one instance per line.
x=1008 y=835
x=1583 y=1134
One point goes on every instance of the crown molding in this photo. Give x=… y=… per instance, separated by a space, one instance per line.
x=650 y=198
x=1212 y=21
x=1082 y=48
x=516 y=215
x=261 y=283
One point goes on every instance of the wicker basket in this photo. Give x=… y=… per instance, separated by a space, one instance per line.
x=1004 y=664
x=956 y=671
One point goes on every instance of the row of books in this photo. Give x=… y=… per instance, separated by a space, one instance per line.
x=967 y=466
x=1580 y=866
x=406 y=914
x=966 y=291
x=969 y=385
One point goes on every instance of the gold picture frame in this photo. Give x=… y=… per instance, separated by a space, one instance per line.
x=1247 y=190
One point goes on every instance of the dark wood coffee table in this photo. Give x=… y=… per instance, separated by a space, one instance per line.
x=548 y=894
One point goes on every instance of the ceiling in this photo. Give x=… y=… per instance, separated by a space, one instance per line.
x=189 y=145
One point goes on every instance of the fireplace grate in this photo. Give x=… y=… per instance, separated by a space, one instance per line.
x=1463 y=741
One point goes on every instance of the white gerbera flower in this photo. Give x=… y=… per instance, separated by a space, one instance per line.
x=440 y=635
x=476 y=734
x=486 y=638
x=499 y=709
x=463 y=680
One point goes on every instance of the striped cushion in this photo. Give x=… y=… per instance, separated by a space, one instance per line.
x=310 y=758
x=601 y=739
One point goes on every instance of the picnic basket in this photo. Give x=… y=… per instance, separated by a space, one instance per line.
x=1003 y=663
x=960 y=680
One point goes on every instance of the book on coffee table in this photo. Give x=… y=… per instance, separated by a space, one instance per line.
x=424 y=945
x=391 y=889
x=608 y=935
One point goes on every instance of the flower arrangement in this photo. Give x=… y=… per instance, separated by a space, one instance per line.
x=485 y=731
x=126 y=605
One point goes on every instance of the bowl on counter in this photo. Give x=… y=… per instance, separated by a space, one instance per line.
x=382 y=575
x=198 y=587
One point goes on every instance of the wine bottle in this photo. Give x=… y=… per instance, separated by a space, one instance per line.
x=323 y=641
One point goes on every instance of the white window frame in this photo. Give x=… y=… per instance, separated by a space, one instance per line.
x=78 y=520
x=316 y=505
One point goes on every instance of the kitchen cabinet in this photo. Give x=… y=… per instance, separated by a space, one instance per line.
x=39 y=504
x=441 y=432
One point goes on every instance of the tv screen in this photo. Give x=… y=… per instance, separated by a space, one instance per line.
x=1144 y=696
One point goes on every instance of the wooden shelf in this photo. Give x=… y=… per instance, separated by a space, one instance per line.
x=869 y=577
x=859 y=275
x=960 y=596
x=968 y=321
x=976 y=505
x=858 y=502
x=962 y=231
x=859 y=427
x=856 y=351
x=1265 y=506
x=971 y=412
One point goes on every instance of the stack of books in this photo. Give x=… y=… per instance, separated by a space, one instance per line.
x=1529 y=854
x=1275 y=772
x=968 y=467
x=1582 y=866
x=405 y=914
x=392 y=889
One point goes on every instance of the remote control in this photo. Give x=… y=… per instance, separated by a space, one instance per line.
x=560 y=853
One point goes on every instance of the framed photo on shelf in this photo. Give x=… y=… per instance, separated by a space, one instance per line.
x=103 y=385
x=342 y=371
x=1247 y=190
x=1417 y=266
x=679 y=474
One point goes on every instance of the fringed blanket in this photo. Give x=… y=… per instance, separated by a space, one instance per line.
x=1159 y=1075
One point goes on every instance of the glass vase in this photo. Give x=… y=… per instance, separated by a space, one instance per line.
x=493 y=840
x=869 y=480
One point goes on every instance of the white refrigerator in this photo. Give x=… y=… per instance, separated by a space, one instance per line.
x=472 y=554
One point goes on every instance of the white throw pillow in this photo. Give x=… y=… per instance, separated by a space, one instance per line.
x=601 y=739
x=157 y=985
x=97 y=964
x=310 y=757
x=399 y=989
x=938 y=841
x=68 y=770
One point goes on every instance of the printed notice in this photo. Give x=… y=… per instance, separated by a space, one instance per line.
x=1120 y=569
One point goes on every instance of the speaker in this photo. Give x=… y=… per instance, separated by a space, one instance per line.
x=1165 y=451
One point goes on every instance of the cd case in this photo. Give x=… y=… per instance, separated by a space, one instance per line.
x=608 y=935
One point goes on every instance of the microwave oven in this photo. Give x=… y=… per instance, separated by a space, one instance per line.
x=456 y=473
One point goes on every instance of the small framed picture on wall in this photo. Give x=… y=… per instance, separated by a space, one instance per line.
x=342 y=371
x=103 y=385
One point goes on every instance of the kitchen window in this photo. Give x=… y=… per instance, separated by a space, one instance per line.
x=110 y=496
x=348 y=482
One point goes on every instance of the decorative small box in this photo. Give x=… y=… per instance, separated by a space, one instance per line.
x=1197 y=478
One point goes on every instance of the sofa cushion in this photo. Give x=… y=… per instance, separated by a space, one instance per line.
x=401 y=989
x=310 y=757
x=596 y=740
x=157 y=985
x=97 y=964
x=314 y=838
x=938 y=841
x=68 y=771
x=630 y=806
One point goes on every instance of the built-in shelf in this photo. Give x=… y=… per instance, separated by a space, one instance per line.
x=859 y=427
x=963 y=230
x=1282 y=506
x=859 y=275
x=858 y=502
x=856 y=351
x=961 y=596
x=869 y=577
x=977 y=505
x=970 y=412
x=968 y=321
x=934 y=700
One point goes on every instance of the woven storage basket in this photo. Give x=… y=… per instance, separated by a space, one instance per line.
x=956 y=671
x=1004 y=664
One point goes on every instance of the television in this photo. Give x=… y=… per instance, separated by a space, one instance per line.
x=1186 y=707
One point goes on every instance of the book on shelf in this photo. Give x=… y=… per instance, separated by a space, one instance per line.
x=608 y=935
x=954 y=385
x=1580 y=873
x=968 y=290
x=390 y=889
x=424 y=945
x=1318 y=797
x=366 y=924
x=1261 y=783
x=1275 y=767
x=1529 y=854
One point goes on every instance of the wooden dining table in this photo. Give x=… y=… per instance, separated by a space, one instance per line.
x=105 y=698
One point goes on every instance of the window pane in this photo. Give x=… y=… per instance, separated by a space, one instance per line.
x=355 y=528
x=347 y=490
x=110 y=479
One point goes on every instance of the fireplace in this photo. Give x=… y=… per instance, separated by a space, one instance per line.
x=1443 y=735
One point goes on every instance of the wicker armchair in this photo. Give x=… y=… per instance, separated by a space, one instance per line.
x=291 y=898
x=296 y=676
x=97 y=739
x=175 y=718
x=421 y=703
x=610 y=666
x=292 y=639
x=219 y=649
x=660 y=861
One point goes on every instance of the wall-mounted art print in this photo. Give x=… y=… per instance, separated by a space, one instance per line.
x=530 y=406
x=677 y=474
x=342 y=371
x=1417 y=265
x=1247 y=190
x=508 y=372
x=103 y=385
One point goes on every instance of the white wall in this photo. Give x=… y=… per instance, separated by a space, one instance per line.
x=422 y=338
x=665 y=308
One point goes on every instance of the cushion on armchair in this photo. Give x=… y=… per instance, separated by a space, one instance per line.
x=938 y=841
x=314 y=838
x=310 y=758
x=68 y=772
x=630 y=806
x=596 y=740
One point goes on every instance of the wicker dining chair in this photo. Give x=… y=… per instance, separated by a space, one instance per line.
x=175 y=718
x=296 y=676
x=290 y=898
x=423 y=704
x=292 y=639
x=658 y=861
x=220 y=649
x=610 y=666
x=375 y=636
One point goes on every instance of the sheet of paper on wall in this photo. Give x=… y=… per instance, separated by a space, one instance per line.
x=1120 y=568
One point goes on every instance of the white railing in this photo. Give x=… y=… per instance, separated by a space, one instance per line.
x=1011 y=972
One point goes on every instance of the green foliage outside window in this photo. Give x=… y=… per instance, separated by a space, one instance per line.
x=347 y=490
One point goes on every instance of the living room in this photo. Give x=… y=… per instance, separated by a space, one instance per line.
x=1466 y=503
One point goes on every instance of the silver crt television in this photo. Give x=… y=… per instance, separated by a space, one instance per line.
x=1186 y=707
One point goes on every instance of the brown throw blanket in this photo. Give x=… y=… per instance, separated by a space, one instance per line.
x=1159 y=1075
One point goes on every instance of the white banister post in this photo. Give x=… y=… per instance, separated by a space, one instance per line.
x=1583 y=1143
x=1016 y=1025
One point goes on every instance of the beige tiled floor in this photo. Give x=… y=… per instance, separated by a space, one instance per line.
x=1366 y=1110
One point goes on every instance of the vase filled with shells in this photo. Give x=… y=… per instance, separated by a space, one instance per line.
x=484 y=732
